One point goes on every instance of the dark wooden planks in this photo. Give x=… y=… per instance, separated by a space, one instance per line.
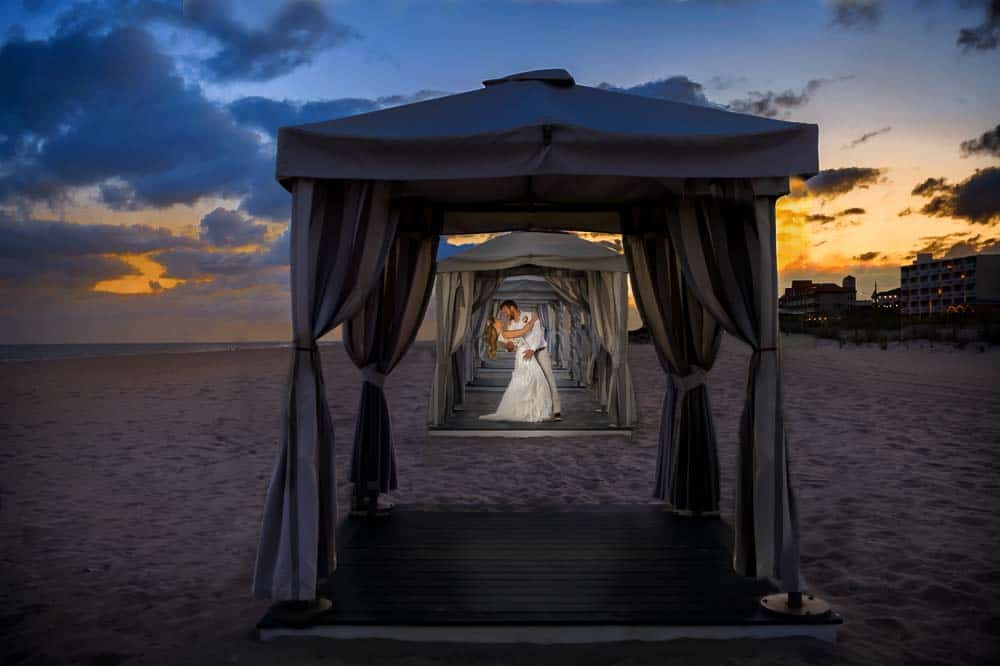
x=616 y=565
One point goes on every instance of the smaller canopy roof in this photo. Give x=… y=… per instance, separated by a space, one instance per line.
x=533 y=248
x=526 y=286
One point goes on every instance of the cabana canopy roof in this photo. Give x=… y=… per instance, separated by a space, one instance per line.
x=526 y=286
x=544 y=250
x=541 y=123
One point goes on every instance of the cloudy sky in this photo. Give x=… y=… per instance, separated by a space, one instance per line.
x=136 y=138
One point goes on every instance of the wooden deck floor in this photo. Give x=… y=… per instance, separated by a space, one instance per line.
x=582 y=413
x=604 y=567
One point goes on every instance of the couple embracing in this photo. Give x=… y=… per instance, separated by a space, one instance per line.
x=531 y=395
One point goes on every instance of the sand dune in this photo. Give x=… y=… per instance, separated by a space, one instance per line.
x=132 y=488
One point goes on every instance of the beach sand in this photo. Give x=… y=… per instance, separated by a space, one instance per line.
x=131 y=491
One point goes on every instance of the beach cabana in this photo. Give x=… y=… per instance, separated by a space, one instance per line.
x=593 y=279
x=692 y=189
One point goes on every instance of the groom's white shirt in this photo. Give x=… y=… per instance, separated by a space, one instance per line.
x=534 y=339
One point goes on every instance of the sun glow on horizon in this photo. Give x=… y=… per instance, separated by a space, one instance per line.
x=148 y=280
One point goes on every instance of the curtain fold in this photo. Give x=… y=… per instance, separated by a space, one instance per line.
x=686 y=339
x=340 y=232
x=570 y=287
x=544 y=316
x=726 y=243
x=557 y=334
x=607 y=294
x=378 y=336
x=457 y=296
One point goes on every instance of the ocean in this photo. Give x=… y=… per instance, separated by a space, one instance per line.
x=35 y=352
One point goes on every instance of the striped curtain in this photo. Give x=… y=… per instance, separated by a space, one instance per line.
x=725 y=240
x=341 y=232
x=686 y=339
x=379 y=335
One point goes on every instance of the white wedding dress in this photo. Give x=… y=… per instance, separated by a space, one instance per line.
x=527 y=397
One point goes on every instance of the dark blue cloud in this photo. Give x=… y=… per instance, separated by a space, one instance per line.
x=975 y=199
x=229 y=228
x=858 y=14
x=832 y=183
x=988 y=143
x=62 y=254
x=293 y=36
x=84 y=108
x=299 y=31
x=232 y=270
x=771 y=104
x=986 y=35
x=674 y=88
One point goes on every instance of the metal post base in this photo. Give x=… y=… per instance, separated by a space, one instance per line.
x=809 y=605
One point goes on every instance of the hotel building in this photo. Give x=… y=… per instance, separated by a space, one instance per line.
x=819 y=298
x=956 y=284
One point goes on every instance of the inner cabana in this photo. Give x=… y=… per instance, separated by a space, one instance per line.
x=579 y=290
x=692 y=191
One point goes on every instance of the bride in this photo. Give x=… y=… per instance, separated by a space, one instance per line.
x=527 y=397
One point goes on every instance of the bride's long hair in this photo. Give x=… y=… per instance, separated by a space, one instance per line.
x=490 y=337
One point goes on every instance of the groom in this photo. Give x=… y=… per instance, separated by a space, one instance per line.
x=536 y=348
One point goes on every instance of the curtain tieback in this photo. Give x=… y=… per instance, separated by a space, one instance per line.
x=693 y=379
x=766 y=349
x=307 y=348
x=371 y=374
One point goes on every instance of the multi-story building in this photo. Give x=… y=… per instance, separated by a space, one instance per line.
x=886 y=300
x=955 y=284
x=824 y=298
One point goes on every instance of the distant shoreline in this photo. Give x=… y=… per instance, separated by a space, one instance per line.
x=27 y=353
x=23 y=353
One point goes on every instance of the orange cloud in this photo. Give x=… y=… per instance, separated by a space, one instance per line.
x=149 y=279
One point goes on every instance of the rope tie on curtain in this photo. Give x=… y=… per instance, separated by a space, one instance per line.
x=765 y=349
x=307 y=348
x=371 y=374
x=695 y=377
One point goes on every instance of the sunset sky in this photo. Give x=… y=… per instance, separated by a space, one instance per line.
x=137 y=200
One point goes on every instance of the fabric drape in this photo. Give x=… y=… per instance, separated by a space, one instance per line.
x=571 y=287
x=340 y=237
x=726 y=242
x=544 y=316
x=557 y=333
x=686 y=339
x=607 y=294
x=457 y=295
x=376 y=339
x=573 y=290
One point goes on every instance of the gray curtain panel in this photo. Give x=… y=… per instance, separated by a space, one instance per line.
x=456 y=296
x=476 y=342
x=607 y=293
x=544 y=316
x=557 y=318
x=686 y=338
x=726 y=242
x=378 y=336
x=575 y=344
x=340 y=237
x=571 y=287
x=589 y=351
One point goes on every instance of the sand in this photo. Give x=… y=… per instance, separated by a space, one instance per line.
x=131 y=490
